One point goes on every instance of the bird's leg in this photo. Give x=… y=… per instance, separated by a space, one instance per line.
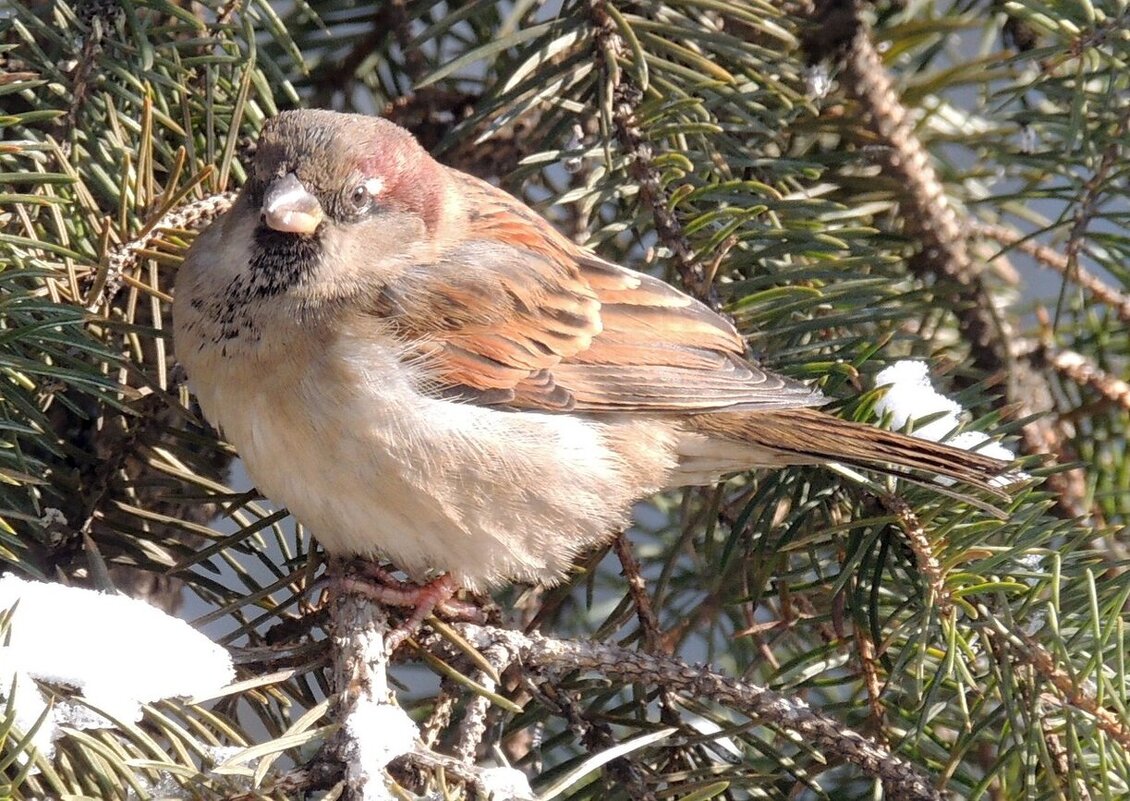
x=409 y=594
x=423 y=599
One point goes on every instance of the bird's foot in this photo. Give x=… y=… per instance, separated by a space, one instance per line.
x=436 y=596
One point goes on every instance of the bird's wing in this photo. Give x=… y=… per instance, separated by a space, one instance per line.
x=516 y=315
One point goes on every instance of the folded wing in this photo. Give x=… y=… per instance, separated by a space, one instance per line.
x=515 y=315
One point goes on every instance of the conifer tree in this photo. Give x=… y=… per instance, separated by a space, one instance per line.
x=855 y=183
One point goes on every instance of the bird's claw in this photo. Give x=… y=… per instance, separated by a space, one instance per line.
x=437 y=596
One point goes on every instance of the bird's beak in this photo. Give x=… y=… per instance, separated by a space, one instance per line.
x=288 y=206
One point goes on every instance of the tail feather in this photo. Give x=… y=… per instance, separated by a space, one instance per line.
x=814 y=437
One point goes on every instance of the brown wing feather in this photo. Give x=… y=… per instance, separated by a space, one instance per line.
x=516 y=315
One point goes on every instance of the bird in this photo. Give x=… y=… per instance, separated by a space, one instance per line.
x=423 y=370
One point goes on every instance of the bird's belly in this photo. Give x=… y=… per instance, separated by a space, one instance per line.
x=374 y=468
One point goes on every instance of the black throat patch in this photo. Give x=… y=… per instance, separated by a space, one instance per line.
x=280 y=261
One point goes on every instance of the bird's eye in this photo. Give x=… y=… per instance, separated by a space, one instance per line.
x=360 y=198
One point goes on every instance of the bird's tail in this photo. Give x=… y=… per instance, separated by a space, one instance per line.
x=811 y=436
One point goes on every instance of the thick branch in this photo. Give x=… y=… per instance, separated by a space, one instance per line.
x=124 y=258
x=360 y=683
x=900 y=779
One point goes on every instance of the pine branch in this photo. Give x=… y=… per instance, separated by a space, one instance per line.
x=943 y=254
x=900 y=779
x=624 y=99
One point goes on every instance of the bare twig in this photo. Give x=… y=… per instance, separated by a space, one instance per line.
x=1078 y=368
x=415 y=65
x=653 y=640
x=442 y=709
x=943 y=253
x=926 y=210
x=225 y=13
x=900 y=779
x=596 y=736
x=1051 y=258
x=474 y=724
x=101 y=17
x=865 y=648
x=1061 y=759
x=452 y=767
x=625 y=98
x=331 y=77
x=126 y=257
x=389 y=19
x=1026 y=686
x=928 y=564
x=1074 y=694
x=637 y=588
x=1093 y=189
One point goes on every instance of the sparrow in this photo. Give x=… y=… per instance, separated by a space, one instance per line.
x=422 y=369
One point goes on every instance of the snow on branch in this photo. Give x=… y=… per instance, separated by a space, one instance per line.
x=117 y=652
x=911 y=396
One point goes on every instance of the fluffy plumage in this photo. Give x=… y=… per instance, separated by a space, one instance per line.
x=420 y=367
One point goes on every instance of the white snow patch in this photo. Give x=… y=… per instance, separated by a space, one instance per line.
x=910 y=396
x=166 y=788
x=219 y=754
x=28 y=704
x=504 y=784
x=380 y=733
x=118 y=652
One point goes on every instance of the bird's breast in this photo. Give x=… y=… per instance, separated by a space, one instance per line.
x=334 y=427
